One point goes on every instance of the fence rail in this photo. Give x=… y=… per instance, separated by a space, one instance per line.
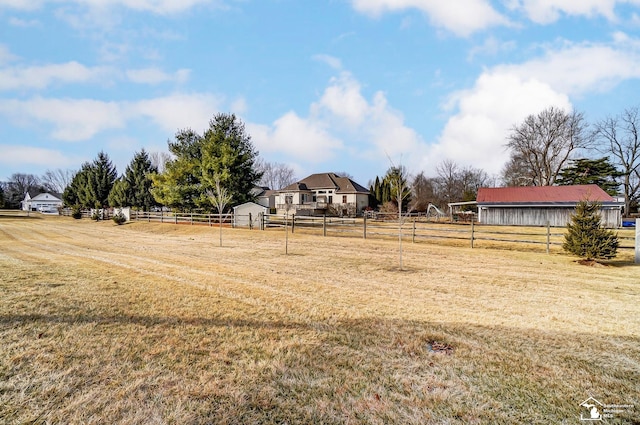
x=414 y=228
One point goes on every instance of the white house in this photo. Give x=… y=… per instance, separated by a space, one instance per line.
x=45 y=202
x=324 y=193
x=248 y=214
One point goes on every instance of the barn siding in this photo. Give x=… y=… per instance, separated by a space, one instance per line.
x=539 y=216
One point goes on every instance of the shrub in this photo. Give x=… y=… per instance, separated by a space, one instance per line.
x=76 y=212
x=585 y=235
x=95 y=216
x=119 y=218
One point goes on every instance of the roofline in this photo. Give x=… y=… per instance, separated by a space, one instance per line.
x=571 y=204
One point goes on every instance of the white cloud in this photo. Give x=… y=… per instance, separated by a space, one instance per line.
x=176 y=111
x=547 y=11
x=28 y=155
x=503 y=96
x=38 y=77
x=156 y=6
x=373 y=128
x=75 y=120
x=476 y=134
x=462 y=17
x=156 y=76
x=5 y=55
x=22 y=23
x=297 y=138
x=332 y=61
x=582 y=68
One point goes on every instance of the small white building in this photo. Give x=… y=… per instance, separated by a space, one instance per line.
x=248 y=214
x=44 y=202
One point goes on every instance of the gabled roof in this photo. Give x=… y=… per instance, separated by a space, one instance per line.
x=327 y=181
x=543 y=194
x=33 y=194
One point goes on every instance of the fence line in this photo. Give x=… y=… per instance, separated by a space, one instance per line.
x=415 y=228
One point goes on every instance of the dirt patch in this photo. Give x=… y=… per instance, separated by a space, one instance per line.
x=591 y=263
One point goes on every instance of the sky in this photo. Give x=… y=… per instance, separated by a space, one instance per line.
x=347 y=86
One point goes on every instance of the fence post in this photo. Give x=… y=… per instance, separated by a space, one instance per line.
x=637 y=240
x=250 y=222
x=548 y=237
x=364 y=226
x=413 y=235
x=192 y=219
x=162 y=215
x=175 y=218
x=324 y=225
x=293 y=222
x=472 y=231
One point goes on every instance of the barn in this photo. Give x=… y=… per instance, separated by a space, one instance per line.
x=539 y=205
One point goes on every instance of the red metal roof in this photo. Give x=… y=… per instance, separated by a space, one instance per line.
x=542 y=194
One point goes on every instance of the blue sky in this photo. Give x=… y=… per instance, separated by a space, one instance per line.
x=322 y=85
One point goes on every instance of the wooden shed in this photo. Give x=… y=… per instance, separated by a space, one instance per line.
x=539 y=205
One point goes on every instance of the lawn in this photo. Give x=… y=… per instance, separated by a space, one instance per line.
x=155 y=323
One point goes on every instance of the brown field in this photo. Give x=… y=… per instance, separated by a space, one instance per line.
x=154 y=323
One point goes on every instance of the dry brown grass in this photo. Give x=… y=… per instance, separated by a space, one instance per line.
x=154 y=323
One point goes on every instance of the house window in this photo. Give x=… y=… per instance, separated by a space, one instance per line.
x=314 y=198
x=330 y=199
x=344 y=199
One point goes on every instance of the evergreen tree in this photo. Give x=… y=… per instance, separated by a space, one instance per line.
x=592 y=171
x=102 y=176
x=76 y=193
x=118 y=196
x=136 y=183
x=224 y=151
x=585 y=235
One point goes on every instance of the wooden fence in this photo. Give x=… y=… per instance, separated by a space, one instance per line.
x=414 y=228
x=418 y=229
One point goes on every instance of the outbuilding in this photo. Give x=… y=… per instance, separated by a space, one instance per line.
x=539 y=205
x=248 y=214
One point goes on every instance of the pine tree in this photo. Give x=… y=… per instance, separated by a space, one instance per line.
x=224 y=151
x=591 y=171
x=586 y=237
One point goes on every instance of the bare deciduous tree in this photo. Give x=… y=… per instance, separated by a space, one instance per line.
x=401 y=192
x=622 y=141
x=219 y=197
x=546 y=141
x=275 y=175
x=159 y=160
x=57 y=180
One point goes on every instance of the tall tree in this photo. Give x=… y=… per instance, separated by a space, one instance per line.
x=137 y=182
x=102 y=177
x=56 y=181
x=546 y=141
x=91 y=185
x=591 y=171
x=620 y=136
x=275 y=175
x=224 y=151
x=422 y=192
x=18 y=185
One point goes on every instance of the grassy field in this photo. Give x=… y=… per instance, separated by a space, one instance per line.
x=154 y=324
